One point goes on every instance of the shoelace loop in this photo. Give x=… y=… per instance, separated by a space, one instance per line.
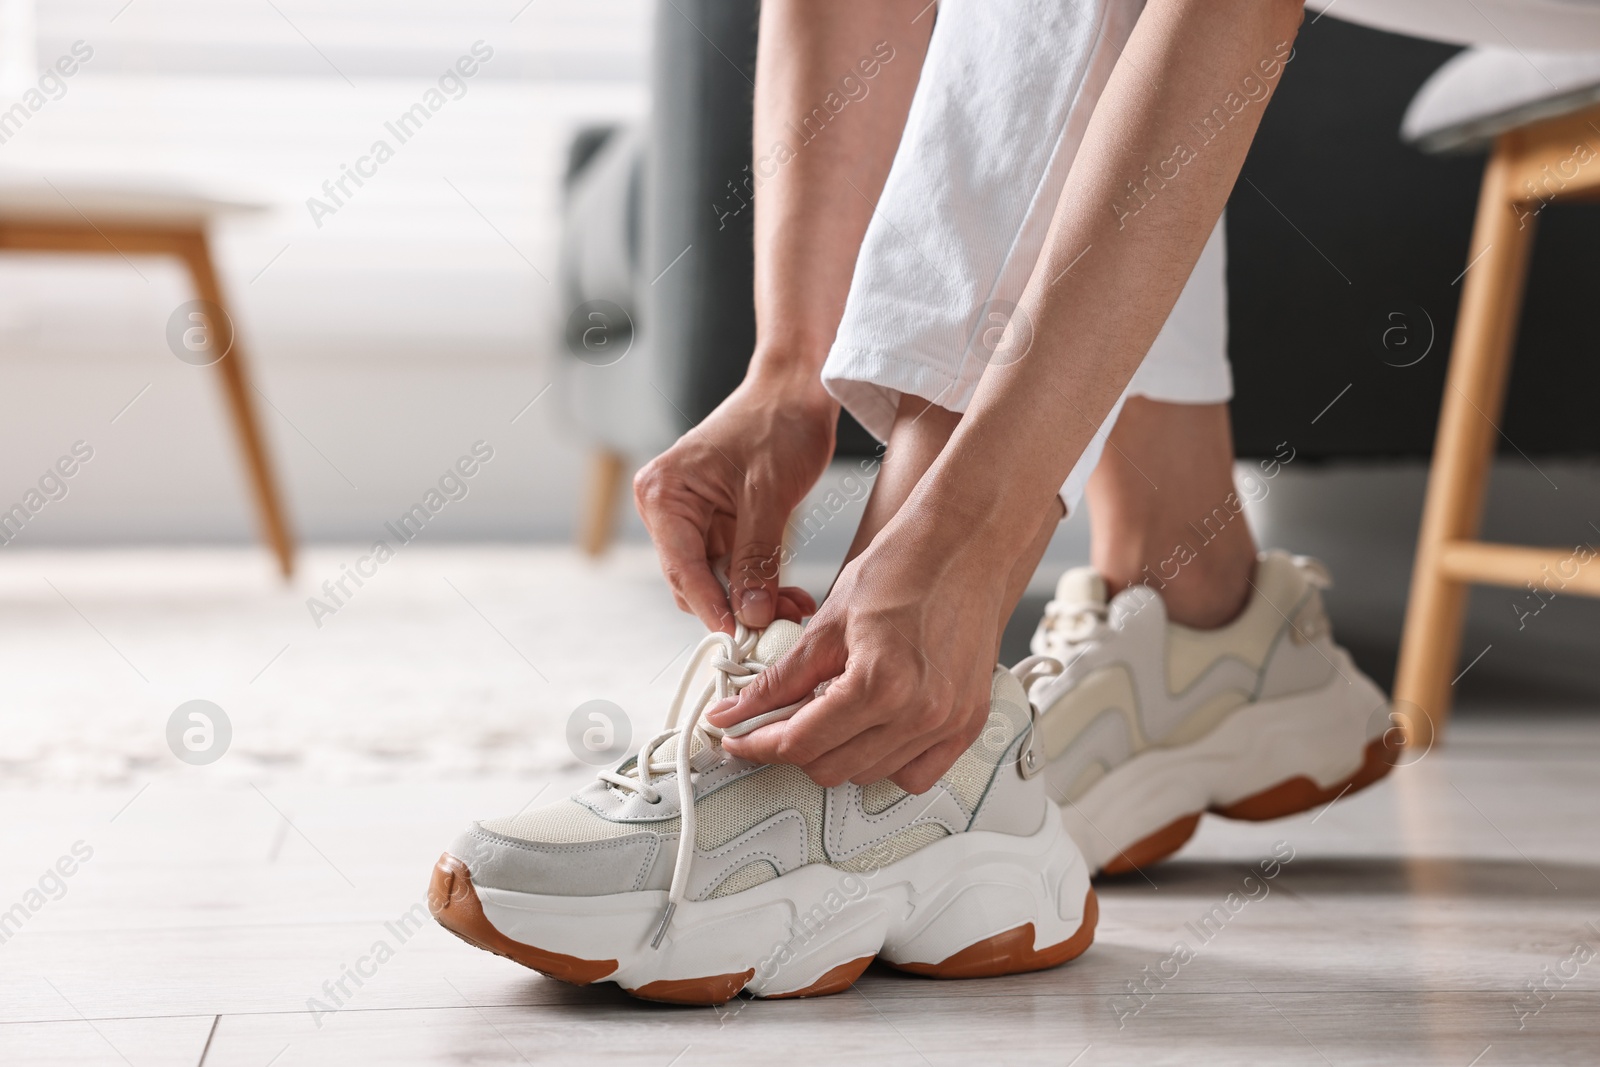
x=1027 y=671
x=732 y=670
x=733 y=667
x=1032 y=668
x=1069 y=625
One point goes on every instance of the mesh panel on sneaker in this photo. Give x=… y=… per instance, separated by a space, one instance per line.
x=777 y=641
x=754 y=799
x=747 y=877
x=970 y=776
x=722 y=816
x=567 y=821
x=880 y=796
x=739 y=806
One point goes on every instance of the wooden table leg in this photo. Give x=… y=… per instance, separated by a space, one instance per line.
x=1463 y=450
x=607 y=471
x=241 y=407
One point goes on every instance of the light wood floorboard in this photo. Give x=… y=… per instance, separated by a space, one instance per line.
x=1405 y=929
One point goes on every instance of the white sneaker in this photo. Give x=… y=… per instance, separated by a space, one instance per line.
x=686 y=875
x=1150 y=724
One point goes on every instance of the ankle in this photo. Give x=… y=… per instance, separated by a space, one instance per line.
x=1209 y=597
x=1202 y=590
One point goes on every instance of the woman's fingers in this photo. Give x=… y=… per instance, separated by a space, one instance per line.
x=683 y=522
x=880 y=715
x=682 y=550
x=753 y=567
x=795 y=603
x=906 y=746
x=814 y=729
x=686 y=559
x=819 y=657
x=893 y=761
x=880 y=746
x=923 y=772
x=792 y=610
x=811 y=733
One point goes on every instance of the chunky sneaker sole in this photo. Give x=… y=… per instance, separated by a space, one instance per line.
x=1144 y=726
x=976 y=905
x=1268 y=760
x=687 y=876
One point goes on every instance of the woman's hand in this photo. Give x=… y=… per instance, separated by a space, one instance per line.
x=724 y=492
x=907 y=642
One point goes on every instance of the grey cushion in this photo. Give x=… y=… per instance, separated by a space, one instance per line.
x=600 y=238
x=609 y=393
x=1553 y=25
x=1483 y=92
x=658 y=224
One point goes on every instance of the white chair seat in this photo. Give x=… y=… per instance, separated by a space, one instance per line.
x=1552 y=25
x=110 y=199
x=1483 y=92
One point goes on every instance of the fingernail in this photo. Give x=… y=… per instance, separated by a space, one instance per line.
x=720 y=709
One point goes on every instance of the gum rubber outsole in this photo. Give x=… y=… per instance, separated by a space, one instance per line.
x=1289 y=797
x=837 y=980
x=717 y=989
x=455 y=905
x=1155 y=847
x=1012 y=952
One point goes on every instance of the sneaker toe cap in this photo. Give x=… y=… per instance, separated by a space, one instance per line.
x=586 y=868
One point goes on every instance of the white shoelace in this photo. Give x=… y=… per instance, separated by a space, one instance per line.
x=1069 y=628
x=1032 y=668
x=1027 y=671
x=732 y=669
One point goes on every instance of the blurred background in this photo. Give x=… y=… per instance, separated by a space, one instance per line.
x=440 y=304
x=389 y=336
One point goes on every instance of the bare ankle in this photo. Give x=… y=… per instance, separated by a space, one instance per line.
x=1207 y=597
x=1164 y=511
x=1203 y=587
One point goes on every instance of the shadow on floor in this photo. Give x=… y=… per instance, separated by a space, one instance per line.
x=1457 y=878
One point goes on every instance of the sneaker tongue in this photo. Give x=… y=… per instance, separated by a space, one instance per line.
x=667 y=751
x=777 y=640
x=1081 y=587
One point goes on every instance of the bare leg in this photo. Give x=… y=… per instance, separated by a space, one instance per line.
x=724 y=492
x=1185 y=450
x=930 y=587
x=1137 y=528
x=920 y=432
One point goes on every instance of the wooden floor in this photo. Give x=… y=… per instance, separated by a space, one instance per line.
x=1406 y=929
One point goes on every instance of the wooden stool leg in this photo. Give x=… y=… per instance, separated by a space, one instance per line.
x=607 y=471
x=1491 y=302
x=241 y=408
